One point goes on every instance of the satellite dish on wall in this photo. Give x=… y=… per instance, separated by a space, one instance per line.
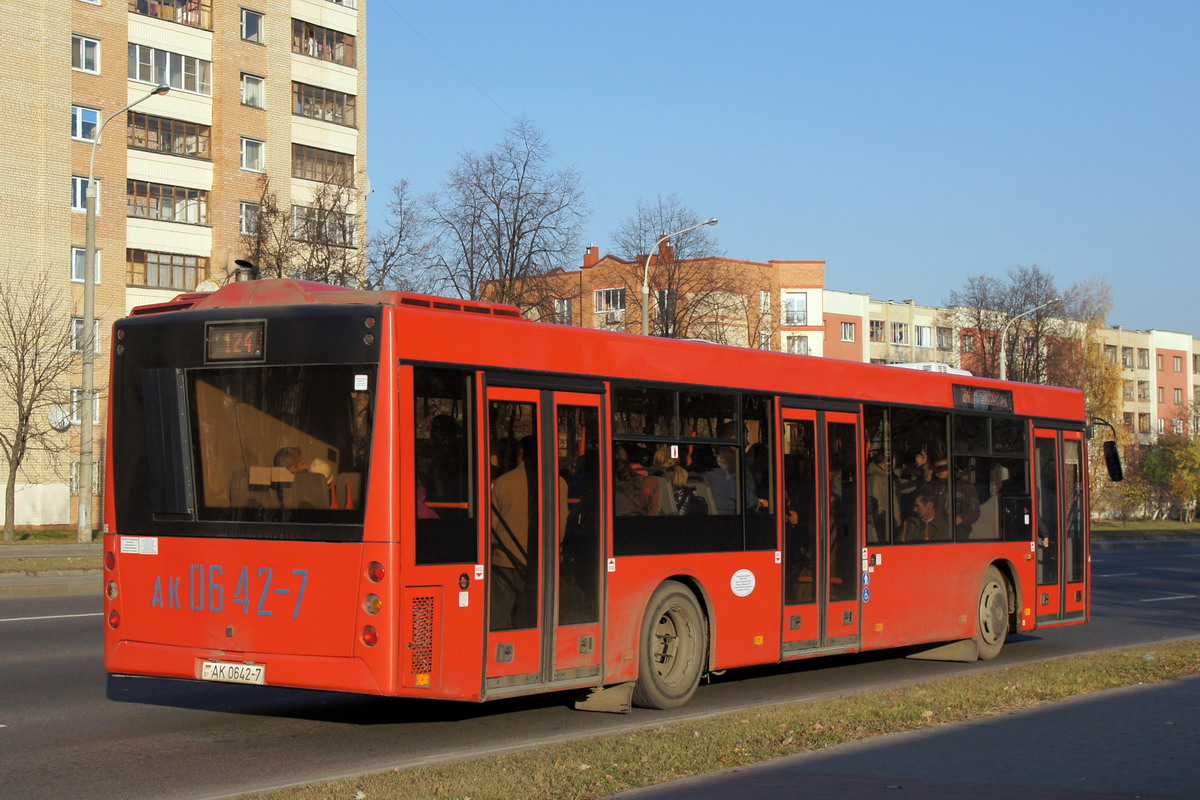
x=59 y=418
x=207 y=285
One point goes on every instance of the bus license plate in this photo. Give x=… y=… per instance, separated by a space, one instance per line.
x=233 y=673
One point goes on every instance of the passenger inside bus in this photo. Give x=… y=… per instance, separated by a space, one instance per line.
x=929 y=522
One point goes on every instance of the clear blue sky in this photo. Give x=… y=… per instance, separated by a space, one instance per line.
x=908 y=144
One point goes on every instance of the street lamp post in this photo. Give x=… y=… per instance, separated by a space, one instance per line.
x=87 y=338
x=1004 y=331
x=646 y=271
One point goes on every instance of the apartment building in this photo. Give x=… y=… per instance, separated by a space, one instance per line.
x=262 y=93
x=904 y=332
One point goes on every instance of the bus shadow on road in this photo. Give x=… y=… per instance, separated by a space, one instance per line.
x=313 y=705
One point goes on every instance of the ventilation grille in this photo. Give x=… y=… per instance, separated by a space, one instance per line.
x=420 y=640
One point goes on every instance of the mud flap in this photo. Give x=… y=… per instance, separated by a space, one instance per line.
x=612 y=699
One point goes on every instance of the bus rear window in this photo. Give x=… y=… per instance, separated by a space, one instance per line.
x=282 y=444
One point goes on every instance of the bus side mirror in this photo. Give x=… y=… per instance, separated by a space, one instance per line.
x=1112 y=460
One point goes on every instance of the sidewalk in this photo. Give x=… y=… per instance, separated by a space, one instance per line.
x=51 y=582
x=1140 y=741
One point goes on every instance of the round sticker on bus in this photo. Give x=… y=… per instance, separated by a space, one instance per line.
x=742 y=582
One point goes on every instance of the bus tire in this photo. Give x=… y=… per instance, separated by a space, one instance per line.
x=673 y=648
x=991 y=625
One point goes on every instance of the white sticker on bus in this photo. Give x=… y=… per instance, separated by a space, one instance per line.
x=140 y=545
x=742 y=582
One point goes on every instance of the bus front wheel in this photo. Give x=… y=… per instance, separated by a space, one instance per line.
x=674 y=644
x=992 y=623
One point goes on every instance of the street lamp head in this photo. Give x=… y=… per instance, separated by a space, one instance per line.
x=162 y=88
x=710 y=221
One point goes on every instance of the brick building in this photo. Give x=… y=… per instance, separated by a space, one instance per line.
x=276 y=89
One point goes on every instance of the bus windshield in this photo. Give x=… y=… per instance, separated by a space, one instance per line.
x=281 y=444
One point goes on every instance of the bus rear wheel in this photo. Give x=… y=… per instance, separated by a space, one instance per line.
x=674 y=644
x=992 y=624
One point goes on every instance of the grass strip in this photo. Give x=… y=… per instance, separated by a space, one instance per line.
x=601 y=766
x=32 y=566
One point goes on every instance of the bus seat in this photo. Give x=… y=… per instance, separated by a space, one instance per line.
x=242 y=494
x=701 y=487
x=347 y=489
x=308 y=490
x=666 y=497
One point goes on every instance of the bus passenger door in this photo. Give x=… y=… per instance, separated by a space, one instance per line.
x=1061 y=529
x=821 y=530
x=514 y=564
x=544 y=565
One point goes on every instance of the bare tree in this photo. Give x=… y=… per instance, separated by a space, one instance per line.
x=978 y=311
x=399 y=253
x=504 y=219
x=35 y=363
x=692 y=296
x=317 y=241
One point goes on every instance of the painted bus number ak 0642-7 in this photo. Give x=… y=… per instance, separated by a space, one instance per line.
x=255 y=588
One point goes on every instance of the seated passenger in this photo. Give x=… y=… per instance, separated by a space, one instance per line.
x=929 y=522
x=630 y=497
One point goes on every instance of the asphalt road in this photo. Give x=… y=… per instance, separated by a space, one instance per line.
x=66 y=729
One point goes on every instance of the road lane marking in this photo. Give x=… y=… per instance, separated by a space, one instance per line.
x=1116 y=575
x=56 y=616
x=1172 y=597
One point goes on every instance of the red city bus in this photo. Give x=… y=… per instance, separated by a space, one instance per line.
x=414 y=496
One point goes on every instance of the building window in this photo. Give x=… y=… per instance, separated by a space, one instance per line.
x=924 y=335
x=1143 y=423
x=164 y=270
x=166 y=203
x=326 y=166
x=1127 y=390
x=1128 y=417
x=252 y=26
x=84 y=122
x=320 y=226
x=1162 y=425
x=78 y=265
x=253 y=155
x=253 y=91
x=327 y=105
x=1196 y=364
x=1143 y=390
x=1179 y=397
x=797 y=345
x=1160 y=394
x=945 y=339
x=1178 y=363
x=564 y=310
x=1143 y=358
x=607 y=300
x=899 y=333
x=1177 y=426
x=876 y=330
x=248 y=219
x=323 y=43
x=193 y=13
x=85 y=54
x=77 y=335
x=764 y=301
x=1127 y=356
x=764 y=340
x=186 y=73
x=847 y=331
x=79 y=194
x=97 y=471
x=1158 y=361
x=968 y=343
x=173 y=136
x=795 y=308
x=77 y=409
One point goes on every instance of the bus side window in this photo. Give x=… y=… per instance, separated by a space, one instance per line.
x=442 y=434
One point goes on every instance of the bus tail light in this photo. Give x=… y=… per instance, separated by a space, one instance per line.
x=375 y=571
x=111 y=590
x=110 y=560
x=370 y=636
x=114 y=619
x=372 y=604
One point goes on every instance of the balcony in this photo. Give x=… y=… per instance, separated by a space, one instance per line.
x=193 y=13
